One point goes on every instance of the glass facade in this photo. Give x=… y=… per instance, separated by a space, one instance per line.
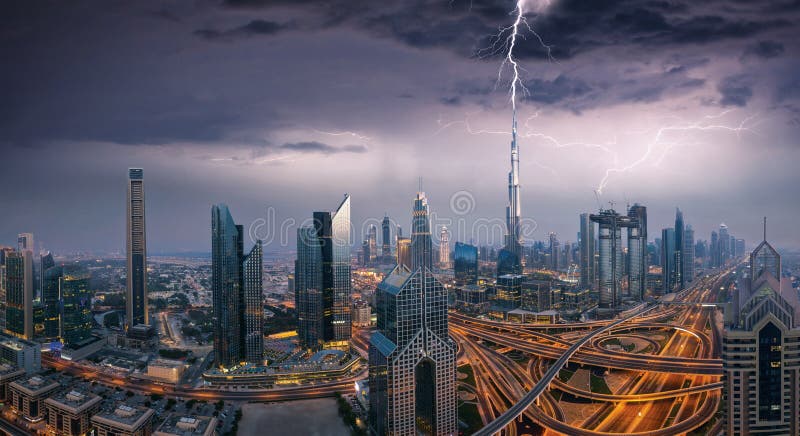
x=465 y=264
x=253 y=323
x=308 y=282
x=136 y=293
x=226 y=273
x=76 y=310
x=333 y=233
x=51 y=296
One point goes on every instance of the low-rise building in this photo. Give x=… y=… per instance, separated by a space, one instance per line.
x=361 y=314
x=8 y=373
x=124 y=421
x=24 y=354
x=176 y=425
x=166 y=370
x=69 y=412
x=27 y=396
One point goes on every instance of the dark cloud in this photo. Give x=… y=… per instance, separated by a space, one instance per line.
x=253 y=28
x=557 y=90
x=319 y=147
x=735 y=91
x=764 y=50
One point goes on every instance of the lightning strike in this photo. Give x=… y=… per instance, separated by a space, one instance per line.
x=345 y=133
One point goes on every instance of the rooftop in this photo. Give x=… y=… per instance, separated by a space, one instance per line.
x=124 y=416
x=186 y=425
x=73 y=400
x=35 y=385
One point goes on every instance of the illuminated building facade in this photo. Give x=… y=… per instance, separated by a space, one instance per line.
x=465 y=264
x=136 y=290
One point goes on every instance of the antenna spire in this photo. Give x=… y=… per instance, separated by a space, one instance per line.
x=765 y=228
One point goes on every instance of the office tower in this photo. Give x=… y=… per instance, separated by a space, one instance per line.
x=444 y=248
x=308 y=288
x=399 y=232
x=553 y=251
x=404 y=252
x=76 y=311
x=679 y=280
x=373 y=244
x=740 y=246
x=19 y=294
x=658 y=249
x=333 y=236
x=587 y=251
x=668 y=260
x=253 y=323
x=386 y=248
x=638 y=264
x=365 y=254
x=421 y=243
x=25 y=242
x=610 y=263
x=465 y=264
x=411 y=357
x=688 y=255
x=51 y=297
x=724 y=244
x=226 y=274
x=136 y=293
x=510 y=258
x=714 y=250
x=509 y=291
x=761 y=391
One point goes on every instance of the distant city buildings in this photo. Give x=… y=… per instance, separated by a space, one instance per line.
x=587 y=243
x=236 y=290
x=136 y=294
x=444 y=248
x=465 y=264
x=19 y=294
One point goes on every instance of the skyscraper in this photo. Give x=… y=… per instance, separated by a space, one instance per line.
x=308 y=288
x=236 y=292
x=51 y=296
x=444 y=248
x=19 y=294
x=136 y=291
x=638 y=259
x=668 y=260
x=386 y=248
x=411 y=356
x=724 y=244
x=714 y=250
x=680 y=230
x=226 y=274
x=465 y=264
x=373 y=244
x=554 y=252
x=404 y=252
x=253 y=323
x=333 y=235
x=76 y=311
x=25 y=242
x=759 y=351
x=610 y=263
x=587 y=252
x=510 y=258
x=688 y=254
x=421 y=243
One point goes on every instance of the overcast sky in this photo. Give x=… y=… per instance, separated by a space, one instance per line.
x=289 y=104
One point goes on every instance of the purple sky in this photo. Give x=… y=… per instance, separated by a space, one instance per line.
x=290 y=104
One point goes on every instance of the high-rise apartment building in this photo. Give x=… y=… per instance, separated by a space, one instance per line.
x=610 y=263
x=323 y=279
x=236 y=292
x=554 y=252
x=76 y=306
x=679 y=279
x=373 y=244
x=51 y=296
x=760 y=346
x=411 y=356
x=136 y=291
x=688 y=254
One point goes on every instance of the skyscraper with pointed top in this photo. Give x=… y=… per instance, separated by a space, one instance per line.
x=510 y=258
x=412 y=361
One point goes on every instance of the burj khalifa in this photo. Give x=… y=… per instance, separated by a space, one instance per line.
x=509 y=261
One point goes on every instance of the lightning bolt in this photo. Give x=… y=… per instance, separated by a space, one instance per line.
x=345 y=133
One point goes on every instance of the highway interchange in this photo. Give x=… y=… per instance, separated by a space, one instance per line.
x=674 y=389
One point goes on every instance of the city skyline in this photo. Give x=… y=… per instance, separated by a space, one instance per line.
x=199 y=147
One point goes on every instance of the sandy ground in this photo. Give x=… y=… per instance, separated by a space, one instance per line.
x=307 y=417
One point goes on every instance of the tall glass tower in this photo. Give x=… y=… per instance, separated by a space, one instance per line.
x=510 y=258
x=637 y=252
x=51 y=296
x=386 y=248
x=332 y=233
x=411 y=357
x=465 y=264
x=680 y=234
x=136 y=291
x=253 y=322
x=226 y=274
x=19 y=294
x=587 y=252
x=308 y=288
x=76 y=312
